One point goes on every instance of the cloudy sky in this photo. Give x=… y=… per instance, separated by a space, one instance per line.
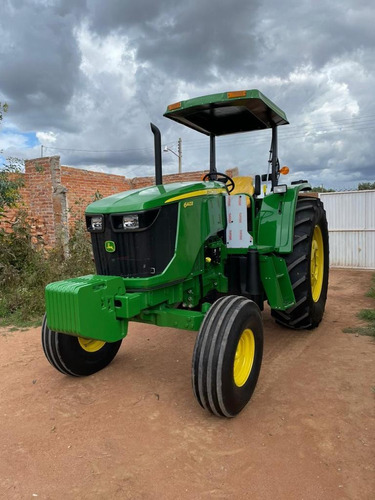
x=84 y=78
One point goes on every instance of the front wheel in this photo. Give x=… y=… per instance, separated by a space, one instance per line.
x=76 y=356
x=228 y=355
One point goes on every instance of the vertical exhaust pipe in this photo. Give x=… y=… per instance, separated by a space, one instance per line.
x=157 y=149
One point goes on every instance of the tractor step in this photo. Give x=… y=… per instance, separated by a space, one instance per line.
x=276 y=282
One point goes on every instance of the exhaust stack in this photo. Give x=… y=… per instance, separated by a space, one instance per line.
x=157 y=152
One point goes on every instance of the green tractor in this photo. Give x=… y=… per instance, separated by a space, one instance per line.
x=201 y=256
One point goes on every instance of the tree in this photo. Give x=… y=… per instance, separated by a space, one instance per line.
x=10 y=176
x=366 y=185
x=3 y=110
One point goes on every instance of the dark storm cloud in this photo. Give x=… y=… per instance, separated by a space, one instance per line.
x=186 y=40
x=199 y=46
x=39 y=61
x=313 y=33
x=190 y=38
x=119 y=14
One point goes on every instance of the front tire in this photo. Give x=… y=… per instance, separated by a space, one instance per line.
x=308 y=267
x=228 y=355
x=76 y=356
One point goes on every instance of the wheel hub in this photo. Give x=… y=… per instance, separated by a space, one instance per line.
x=90 y=345
x=244 y=357
x=317 y=264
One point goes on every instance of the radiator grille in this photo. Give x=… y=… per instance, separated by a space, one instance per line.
x=140 y=253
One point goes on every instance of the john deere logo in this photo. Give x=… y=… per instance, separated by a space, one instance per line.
x=188 y=204
x=110 y=246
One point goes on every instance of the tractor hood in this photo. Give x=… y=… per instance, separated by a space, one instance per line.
x=153 y=197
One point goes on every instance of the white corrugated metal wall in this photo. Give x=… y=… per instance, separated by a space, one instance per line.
x=351 y=225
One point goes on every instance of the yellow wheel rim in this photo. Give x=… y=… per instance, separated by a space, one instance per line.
x=244 y=357
x=90 y=345
x=317 y=264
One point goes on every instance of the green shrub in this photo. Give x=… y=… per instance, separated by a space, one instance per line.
x=367 y=315
x=26 y=268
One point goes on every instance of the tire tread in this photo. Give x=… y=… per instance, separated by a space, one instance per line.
x=58 y=350
x=305 y=314
x=210 y=348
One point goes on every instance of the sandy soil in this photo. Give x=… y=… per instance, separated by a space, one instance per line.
x=135 y=431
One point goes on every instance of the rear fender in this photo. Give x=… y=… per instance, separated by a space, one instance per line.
x=275 y=221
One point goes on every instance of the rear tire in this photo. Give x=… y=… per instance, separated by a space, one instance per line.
x=228 y=355
x=308 y=267
x=76 y=356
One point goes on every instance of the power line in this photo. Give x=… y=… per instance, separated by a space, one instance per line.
x=345 y=124
x=287 y=135
x=98 y=150
x=291 y=131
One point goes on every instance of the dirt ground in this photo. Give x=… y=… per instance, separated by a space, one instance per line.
x=135 y=431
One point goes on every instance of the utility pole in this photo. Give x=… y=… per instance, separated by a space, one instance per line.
x=41 y=151
x=179 y=155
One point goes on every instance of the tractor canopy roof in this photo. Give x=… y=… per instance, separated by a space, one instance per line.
x=227 y=113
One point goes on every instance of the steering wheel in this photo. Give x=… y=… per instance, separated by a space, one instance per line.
x=224 y=178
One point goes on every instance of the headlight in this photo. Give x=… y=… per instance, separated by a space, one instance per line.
x=130 y=221
x=280 y=189
x=97 y=223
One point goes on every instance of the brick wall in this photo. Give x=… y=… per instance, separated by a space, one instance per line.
x=55 y=196
x=84 y=186
x=26 y=205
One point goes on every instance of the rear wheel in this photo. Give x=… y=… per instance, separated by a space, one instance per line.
x=76 y=356
x=228 y=355
x=308 y=267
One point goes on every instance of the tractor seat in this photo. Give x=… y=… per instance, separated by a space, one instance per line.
x=243 y=185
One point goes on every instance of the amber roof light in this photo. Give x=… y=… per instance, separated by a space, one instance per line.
x=238 y=93
x=174 y=106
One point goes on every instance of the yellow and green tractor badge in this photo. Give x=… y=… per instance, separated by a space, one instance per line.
x=110 y=246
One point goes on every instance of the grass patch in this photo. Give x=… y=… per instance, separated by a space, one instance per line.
x=361 y=330
x=371 y=292
x=367 y=315
x=17 y=322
